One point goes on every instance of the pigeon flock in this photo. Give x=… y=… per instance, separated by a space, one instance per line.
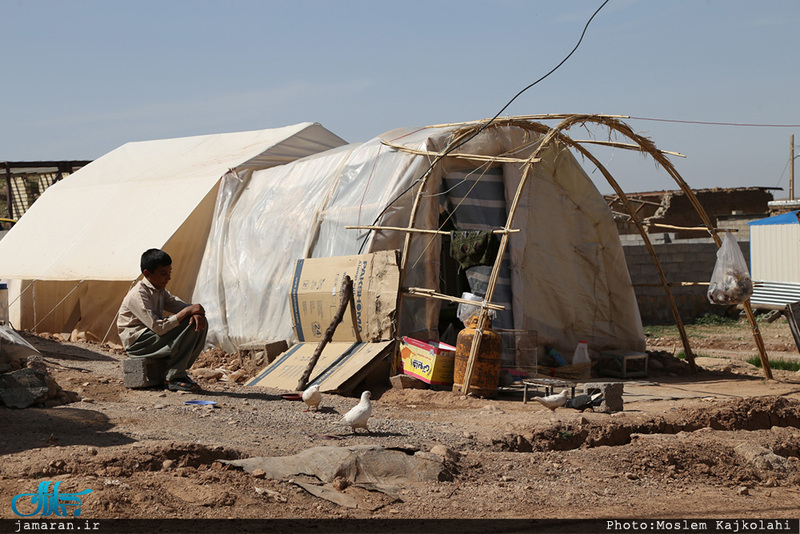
x=578 y=402
x=359 y=414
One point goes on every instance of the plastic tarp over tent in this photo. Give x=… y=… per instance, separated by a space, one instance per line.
x=566 y=275
x=94 y=225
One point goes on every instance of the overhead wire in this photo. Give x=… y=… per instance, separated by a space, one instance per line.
x=711 y=123
x=449 y=149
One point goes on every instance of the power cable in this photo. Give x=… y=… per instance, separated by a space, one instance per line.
x=788 y=162
x=486 y=125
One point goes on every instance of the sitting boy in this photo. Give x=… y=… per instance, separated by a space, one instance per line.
x=145 y=333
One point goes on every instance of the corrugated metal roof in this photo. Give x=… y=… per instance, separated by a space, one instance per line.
x=775 y=293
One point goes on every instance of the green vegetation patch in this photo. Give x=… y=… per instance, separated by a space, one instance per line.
x=783 y=365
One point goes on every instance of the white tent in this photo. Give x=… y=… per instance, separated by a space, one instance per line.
x=565 y=273
x=75 y=253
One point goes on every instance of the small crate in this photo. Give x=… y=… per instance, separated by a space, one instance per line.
x=622 y=363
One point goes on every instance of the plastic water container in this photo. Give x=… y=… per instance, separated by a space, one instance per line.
x=557 y=358
x=581 y=353
x=3 y=303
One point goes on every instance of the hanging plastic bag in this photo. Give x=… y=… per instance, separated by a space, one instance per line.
x=730 y=282
x=466 y=311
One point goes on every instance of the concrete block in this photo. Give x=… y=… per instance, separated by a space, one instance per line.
x=407 y=382
x=611 y=394
x=254 y=356
x=143 y=372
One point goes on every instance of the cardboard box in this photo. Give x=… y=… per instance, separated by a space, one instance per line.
x=430 y=361
x=363 y=339
x=316 y=292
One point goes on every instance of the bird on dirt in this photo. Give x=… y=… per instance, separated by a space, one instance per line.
x=583 y=402
x=312 y=397
x=553 y=401
x=358 y=414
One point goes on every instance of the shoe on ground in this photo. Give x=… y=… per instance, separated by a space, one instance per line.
x=183 y=383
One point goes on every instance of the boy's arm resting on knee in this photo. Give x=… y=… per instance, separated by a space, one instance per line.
x=190 y=311
x=200 y=322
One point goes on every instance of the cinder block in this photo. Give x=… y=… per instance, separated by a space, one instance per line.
x=611 y=394
x=256 y=355
x=407 y=382
x=143 y=372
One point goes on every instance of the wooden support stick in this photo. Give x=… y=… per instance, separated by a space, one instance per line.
x=522 y=118
x=424 y=292
x=420 y=230
x=673 y=284
x=476 y=157
x=762 y=351
x=626 y=146
x=347 y=297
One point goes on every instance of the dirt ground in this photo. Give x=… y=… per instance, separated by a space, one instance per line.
x=724 y=442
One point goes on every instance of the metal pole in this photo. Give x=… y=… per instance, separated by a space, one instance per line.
x=8 y=192
x=791 y=167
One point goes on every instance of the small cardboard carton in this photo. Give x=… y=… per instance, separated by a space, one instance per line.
x=430 y=361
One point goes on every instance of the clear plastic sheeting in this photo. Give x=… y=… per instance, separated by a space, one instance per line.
x=569 y=279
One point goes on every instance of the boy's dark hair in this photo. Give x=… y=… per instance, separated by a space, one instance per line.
x=154 y=258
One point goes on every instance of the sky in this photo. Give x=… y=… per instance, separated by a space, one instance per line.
x=82 y=77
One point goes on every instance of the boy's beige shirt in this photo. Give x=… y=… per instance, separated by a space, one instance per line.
x=143 y=308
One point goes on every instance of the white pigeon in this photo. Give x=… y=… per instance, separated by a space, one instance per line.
x=553 y=401
x=358 y=414
x=312 y=397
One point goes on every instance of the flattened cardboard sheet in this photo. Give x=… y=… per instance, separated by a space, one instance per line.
x=339 y=366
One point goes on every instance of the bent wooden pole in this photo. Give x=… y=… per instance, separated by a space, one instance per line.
x=687 y=348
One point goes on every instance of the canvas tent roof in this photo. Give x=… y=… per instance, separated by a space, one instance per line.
x=566 y=276
x=74 y=254
x=95 y=224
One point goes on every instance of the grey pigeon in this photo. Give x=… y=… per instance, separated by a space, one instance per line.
x=582 y=402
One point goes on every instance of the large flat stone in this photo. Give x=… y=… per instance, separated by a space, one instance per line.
x=20 y=389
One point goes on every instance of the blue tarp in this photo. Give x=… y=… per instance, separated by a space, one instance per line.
x=786 y=218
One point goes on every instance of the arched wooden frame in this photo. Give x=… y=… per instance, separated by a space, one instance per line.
x=641 y=144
